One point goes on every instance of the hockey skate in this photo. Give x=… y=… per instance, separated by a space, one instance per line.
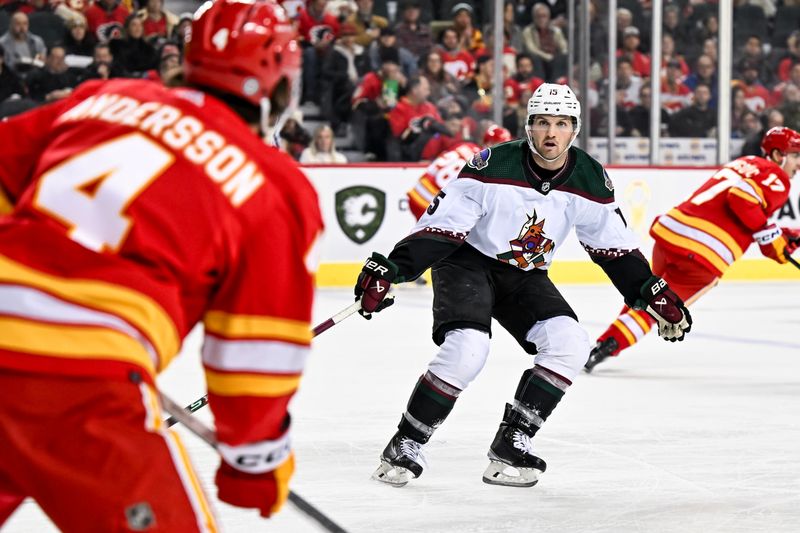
x=601 y=351
x=511 y=459
x=401 y=461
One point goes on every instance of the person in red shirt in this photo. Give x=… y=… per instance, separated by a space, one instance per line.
x=414 y=119
x=698 y=240
x=457 y=61
x=630 y=47
x=755 y=94
x=106 y=19
x=314 y=23
x=158 y=21
x=140 y=211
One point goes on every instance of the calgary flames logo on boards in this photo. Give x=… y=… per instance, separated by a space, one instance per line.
x=530 y=247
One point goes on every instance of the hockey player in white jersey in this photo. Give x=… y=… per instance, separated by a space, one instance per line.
x=490 y=237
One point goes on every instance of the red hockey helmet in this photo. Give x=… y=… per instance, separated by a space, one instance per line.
x=780 y=138
x=496 y=134
x=246 y=48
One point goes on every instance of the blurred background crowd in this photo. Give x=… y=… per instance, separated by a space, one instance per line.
x=403 y=80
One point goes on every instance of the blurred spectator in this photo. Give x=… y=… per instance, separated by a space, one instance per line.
x=628 y=81
x=755 y=94
x=341 y=71
x=387 y=40
x=624 y=21
x=412 y=34
x=442 y=83
x=790 y=106
x=794 y=79
x=624 y=126
x=752 y=54
x=512 y=33
x=103 y=66
x=341 y=9
x=544 y=40
x=752 y=144
x=457 y=132
x=314 y=57
x=169 y=63
x=133 y=53
x=674 y=94
x=676 y=28
x=158 y=21
x=640 y=115
x=375 y=96
x=322 y=148
x=697 y=120
x=470 y=38
x=414 y=120
x=457 y=61
x=23 y=49
x=749 y=125
x=180 y=29
x=705 y=72
x=478 y=92
x=792 y=56
x=630 y=49
x=55 y=80
x=294 y=138
x=368 y=25
x=521 y=85
x=668 y=54
x=738 y=111
x=106 y=19
x=77 y=40
x=314 y=23
x=708 y=29
x=10 y=82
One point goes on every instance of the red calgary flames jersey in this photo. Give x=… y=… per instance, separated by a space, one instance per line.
x=438 y=174
x=140 y=211
x=716 y=224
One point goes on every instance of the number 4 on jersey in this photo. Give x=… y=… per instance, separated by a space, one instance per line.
x=90 y=192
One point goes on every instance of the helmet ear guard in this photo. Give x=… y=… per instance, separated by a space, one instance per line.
x=555 y=100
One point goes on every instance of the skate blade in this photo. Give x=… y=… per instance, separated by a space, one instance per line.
x=396 y=476
x=498 y=473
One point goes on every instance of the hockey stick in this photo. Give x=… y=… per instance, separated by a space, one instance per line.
x=324 y=326
x=791 y=259
x=207 y=434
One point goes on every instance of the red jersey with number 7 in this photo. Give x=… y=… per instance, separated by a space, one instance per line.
x=140 y=211
x=716 y=224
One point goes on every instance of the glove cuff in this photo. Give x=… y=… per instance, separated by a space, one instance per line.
x=381 y=261
x=257 y=457
x=767 y=235
x=653 y=286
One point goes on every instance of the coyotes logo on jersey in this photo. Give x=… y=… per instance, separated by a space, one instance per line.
x=530 y=247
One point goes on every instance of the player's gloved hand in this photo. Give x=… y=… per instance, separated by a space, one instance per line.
x=256 y=475
x=674 y=320
x=792 y=239
x=373 y=285
x=772 y=242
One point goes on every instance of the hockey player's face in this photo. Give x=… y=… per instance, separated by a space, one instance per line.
x=551 y=134
x=791 y=163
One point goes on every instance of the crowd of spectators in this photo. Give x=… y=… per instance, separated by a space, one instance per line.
x=403 y=80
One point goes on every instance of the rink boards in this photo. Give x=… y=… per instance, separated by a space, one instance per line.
x=365 y=209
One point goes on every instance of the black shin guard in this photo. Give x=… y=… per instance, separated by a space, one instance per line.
x=538 y=393
x=429 y=405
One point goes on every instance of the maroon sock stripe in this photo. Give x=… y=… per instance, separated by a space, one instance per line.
x=440 y=386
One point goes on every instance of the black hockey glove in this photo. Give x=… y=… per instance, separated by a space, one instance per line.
x=674 y=320
x=373 y=285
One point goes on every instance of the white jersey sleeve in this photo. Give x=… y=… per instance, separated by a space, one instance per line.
x=455 y=210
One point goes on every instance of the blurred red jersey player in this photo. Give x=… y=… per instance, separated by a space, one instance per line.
x=139 y=211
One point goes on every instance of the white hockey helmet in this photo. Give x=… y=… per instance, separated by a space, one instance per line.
x=553 y=99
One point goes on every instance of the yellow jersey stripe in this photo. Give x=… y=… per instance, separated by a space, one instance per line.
x=250 y=384
x=744 y=196
x=704 y=225
x=636 y=315
x=417 y=199
x=5 y=203
x=698 y=247
x=73 y=342
x=757 y=188
x=139 y=310
x=432 y=188
x=257 y=327
x=194 y=491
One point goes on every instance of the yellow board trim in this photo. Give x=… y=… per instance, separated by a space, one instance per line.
x=250 y=385
x=344 y=275
x=710 y=228
x=72 y=342
x=257 y=327
x=690 y=244
x=134 y=307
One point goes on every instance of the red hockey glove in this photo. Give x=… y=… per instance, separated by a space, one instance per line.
x=674 y=320
x=792 y=239
x=256 y=475
x=373 y=285
x=772 y=242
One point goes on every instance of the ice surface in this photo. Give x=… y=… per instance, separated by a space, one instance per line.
x=699 y=436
